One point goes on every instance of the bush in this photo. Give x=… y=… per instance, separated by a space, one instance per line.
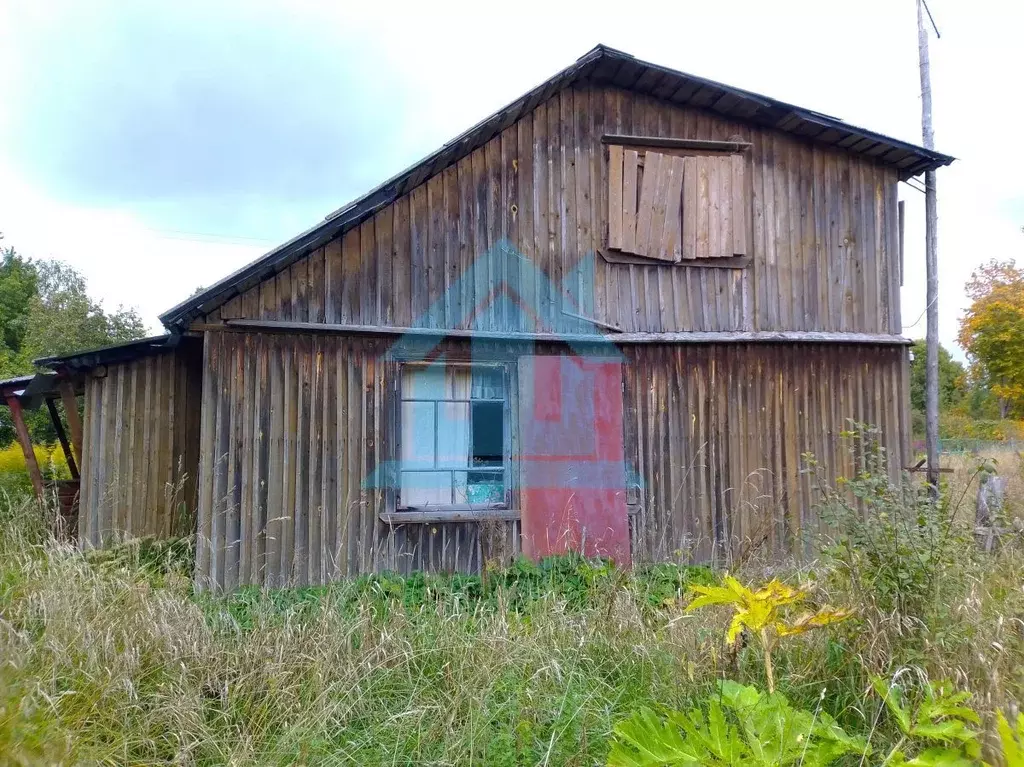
x=894 y=544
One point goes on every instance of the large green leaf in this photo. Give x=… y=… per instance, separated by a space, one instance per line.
x=742 y=726
x=941 y=757
x=1012 y=741
x=892 y=696
x=646 y=740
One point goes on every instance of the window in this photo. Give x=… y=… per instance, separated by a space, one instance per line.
x=454 y=436
x=675 y=204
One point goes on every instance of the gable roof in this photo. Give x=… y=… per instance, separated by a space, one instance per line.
x=600 y=66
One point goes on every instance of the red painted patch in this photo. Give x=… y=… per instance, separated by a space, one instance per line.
x=572 y=469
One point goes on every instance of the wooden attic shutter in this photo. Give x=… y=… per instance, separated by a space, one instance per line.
x=668 y=207
x=715 y=206
x=644 y=205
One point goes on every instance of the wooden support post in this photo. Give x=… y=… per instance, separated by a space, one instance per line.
x=63 y=437
x=67 y=396
x=18 y=416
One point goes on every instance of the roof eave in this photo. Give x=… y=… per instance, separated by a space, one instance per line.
x=90 y=358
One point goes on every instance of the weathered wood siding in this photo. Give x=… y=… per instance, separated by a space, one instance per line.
x=295 y=424
x=141 y=447
x=719 y=433
x=823 y=236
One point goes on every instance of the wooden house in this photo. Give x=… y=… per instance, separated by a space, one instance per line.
x=612 y=316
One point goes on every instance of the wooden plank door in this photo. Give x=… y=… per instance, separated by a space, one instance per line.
x=571 y=460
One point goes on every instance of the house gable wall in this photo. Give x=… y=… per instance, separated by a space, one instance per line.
x=823 y=237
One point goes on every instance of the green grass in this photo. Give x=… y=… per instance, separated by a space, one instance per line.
x=112 y=659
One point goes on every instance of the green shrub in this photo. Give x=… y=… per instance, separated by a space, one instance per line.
x=571 y=580
x=891 y=541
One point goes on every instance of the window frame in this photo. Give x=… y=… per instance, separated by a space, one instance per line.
x=457 y=509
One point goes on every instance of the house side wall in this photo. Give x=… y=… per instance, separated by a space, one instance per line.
x=720 y=433
x=140 y=448
x=294 y=425
x=823 y=235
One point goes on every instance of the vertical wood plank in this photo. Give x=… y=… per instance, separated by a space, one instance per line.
x=649 y=193
x=434 y=252
x=630 y=170
x=526 y=201
x=615 y=188
x=402 y=248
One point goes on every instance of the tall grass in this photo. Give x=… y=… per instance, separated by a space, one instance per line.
x=112 y=660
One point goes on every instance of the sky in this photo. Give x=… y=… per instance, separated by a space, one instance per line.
x=159 y=146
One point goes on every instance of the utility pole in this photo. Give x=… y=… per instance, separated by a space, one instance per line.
x=931 y=261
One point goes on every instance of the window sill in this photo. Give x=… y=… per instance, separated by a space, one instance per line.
x=413 y=516
x=419 y=516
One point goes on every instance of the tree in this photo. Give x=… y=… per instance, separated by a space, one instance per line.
x=952 y=378
x=63 y=318
x=18 y=283
x=45 y=310
x=992 y=332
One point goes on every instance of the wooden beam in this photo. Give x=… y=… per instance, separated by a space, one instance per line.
x=688 y=337
x=724 y=262
x=63 y=437
x=18 y=416
x=67 y=396
x=676 y=143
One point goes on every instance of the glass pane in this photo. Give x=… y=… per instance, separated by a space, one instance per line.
x=488 y=383
x=453 y=434
x=426 y=488
x=418 y=435
x=423 y=381
x=481 y=487
x=488 y=433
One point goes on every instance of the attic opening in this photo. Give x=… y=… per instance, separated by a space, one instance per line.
x=677 y=201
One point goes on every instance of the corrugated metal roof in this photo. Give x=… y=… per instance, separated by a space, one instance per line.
x=104 y=355
x=600 y=66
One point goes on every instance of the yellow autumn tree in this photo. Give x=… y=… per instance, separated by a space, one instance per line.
x=992 y=332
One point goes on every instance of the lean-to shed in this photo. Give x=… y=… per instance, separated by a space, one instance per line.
x=610 y=317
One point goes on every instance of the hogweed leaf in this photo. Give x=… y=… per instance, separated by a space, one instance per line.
x=779 y=594
x=941 y=757
x=712 y=595
x=736 y=626
x=1012 y=742
x=644 y=740
x=810 y=621
x=892 y=696
x=742 y=726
